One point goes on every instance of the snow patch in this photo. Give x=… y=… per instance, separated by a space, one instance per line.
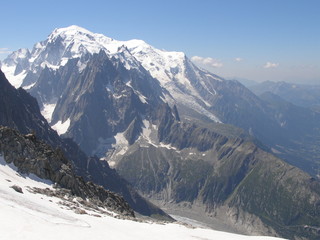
x=48 y=110
x=168 y=146
x=142 y=98
x=62 y=127
x=149 y=133
x=81 y=66
x=15 y=80
x=63 y=61
x=29 y=86
x=121 y=145
x=49 y=65
x=146 y=130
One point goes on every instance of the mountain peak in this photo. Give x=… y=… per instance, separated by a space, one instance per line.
x=72 y=30
x=78 y=35
x=172 y=69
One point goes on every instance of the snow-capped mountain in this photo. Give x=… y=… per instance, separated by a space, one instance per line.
x=172 y=69
x=197 y=93
x=157 y=118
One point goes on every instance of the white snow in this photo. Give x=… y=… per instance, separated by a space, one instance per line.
x=81 y=66
x=30 y=216
x=168 y=146
x=61 y=127
x=64 y=61
x=142 y=98
x=48 y=110
x=29 y=86
x=147 y=129
x=149 y=133
x=15 y=80
x=109 y=148
x=121 y=145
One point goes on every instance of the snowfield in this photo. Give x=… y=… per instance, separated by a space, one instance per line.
x=48 y=110
x=35 y=216
x=61 y=127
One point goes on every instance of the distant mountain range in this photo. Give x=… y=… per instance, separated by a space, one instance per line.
x=177 y=133
x=299 y=94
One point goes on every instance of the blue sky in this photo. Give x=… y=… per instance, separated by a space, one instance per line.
x=254 y=39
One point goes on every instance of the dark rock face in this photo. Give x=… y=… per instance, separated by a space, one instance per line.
x=101 y=100
x=20 y=110
x=32 y=156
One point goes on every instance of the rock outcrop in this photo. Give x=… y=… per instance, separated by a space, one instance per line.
x=30 y=155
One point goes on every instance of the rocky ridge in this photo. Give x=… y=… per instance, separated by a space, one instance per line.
x=30 y=155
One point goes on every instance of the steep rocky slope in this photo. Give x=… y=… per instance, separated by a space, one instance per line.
x=100 y=101
x=30 y=155
x=19 y=110
x=228 y=177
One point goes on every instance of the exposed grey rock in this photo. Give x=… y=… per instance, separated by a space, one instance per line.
x=30 y=155
x=17 y=188
x=101 y=100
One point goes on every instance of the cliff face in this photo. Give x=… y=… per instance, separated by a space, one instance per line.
x=19 y=110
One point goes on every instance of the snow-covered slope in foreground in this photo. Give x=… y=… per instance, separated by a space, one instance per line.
x=35 y=216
